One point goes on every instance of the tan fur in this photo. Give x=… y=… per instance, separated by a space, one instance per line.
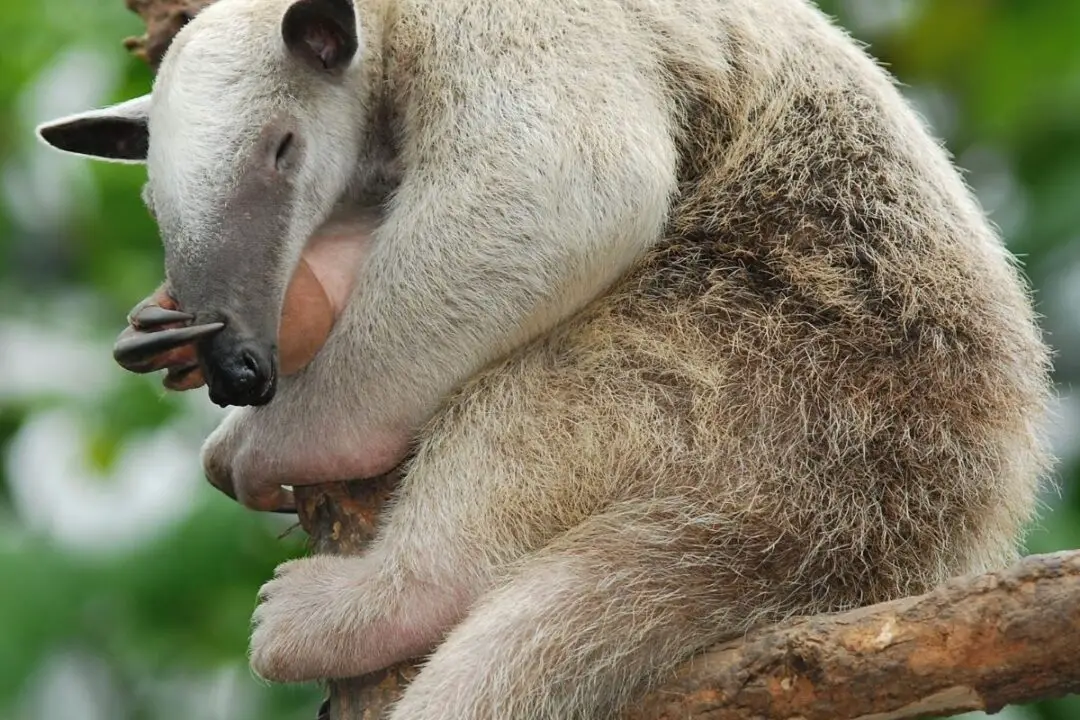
x=822 y=388
x=820 y=385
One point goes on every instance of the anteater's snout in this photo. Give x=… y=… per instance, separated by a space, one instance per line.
x=239 y=369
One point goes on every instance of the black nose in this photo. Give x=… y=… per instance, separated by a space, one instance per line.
x=238 y=372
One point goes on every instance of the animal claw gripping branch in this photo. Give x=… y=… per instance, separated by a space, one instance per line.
x=674 y=317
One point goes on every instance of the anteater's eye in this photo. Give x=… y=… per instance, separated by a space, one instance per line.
x=283 y=157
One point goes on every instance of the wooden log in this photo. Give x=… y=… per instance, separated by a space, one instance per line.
x=975 y=643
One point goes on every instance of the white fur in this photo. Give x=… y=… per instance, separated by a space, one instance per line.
x=539 y=213
x=210 y=103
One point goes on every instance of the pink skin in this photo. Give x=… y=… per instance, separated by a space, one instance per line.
x=316 y=297
x=333 y=254
x=241 y=463
x=246 y=471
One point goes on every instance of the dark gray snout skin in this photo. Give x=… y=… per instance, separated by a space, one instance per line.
x=239 y=280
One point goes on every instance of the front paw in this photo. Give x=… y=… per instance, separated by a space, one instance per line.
x=306 y=618
x=239 y=469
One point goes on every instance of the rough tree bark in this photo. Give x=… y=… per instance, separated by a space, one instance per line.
x=976 y=643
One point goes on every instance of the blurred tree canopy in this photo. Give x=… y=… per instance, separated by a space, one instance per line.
x=127 y=583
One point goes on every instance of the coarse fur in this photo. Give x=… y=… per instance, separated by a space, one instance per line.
x=684 y=319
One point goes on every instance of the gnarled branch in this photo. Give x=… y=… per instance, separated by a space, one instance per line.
x=975 y=643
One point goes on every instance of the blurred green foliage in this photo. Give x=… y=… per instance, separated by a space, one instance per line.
x=153 y=623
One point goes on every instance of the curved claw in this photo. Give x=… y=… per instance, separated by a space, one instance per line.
x=149 y=317
x=134 y=351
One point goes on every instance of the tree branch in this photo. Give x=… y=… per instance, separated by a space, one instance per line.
x=163 y=19
x=341 y=518
x=976 y=643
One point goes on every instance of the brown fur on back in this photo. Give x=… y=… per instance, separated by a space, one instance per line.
x=830 y=357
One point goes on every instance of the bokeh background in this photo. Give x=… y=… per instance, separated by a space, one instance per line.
x=126 y=583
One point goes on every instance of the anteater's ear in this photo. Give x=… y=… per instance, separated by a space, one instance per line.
x=321 y=33
x=117 y=133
